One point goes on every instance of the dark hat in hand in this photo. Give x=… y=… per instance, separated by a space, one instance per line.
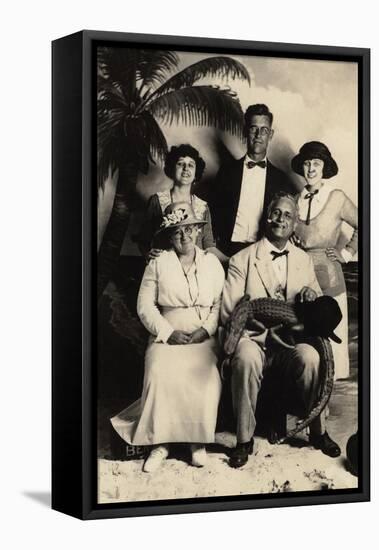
x=321 y=317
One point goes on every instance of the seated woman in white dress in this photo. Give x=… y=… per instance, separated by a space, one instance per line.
x=178 y=303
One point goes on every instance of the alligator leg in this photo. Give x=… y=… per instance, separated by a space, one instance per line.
x=236 y=324
x=277 y=339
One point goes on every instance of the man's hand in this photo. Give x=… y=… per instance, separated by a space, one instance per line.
x=198 y=336
x=178 y=338
x=307 y=294
x=153 y=253
x=334 y=255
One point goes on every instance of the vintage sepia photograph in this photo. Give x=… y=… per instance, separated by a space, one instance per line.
x=227 y=274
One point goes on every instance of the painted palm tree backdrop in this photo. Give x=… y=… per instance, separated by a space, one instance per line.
x=139 y=90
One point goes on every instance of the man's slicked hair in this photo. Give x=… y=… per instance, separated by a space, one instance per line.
x=256 y=110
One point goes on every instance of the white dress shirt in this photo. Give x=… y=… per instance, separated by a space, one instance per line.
x=318 y=202
x=250 y=206
x=279 y=266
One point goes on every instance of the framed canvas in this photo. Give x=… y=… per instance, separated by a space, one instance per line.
x=187 y=173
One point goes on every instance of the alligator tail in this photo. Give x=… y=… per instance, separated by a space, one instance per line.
x=326 y=360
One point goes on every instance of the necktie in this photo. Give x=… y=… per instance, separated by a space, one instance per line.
x=276 y=255
x=310 y=196
x=251 y=164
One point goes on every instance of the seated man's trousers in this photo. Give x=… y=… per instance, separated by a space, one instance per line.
x=297 y=375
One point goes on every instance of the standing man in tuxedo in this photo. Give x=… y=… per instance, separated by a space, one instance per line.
x=243 y=188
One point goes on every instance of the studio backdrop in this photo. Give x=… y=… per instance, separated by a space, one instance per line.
x=210 y=274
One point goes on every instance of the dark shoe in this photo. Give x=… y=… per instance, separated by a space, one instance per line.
x=273 y=436
x=240 y=454
x=325 y=444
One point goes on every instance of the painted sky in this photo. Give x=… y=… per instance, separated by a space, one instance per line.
x=310 y=100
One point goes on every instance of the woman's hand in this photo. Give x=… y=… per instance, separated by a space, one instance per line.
x=334 y=255
x=178 y=338
x=153 y=253
x=198 y=336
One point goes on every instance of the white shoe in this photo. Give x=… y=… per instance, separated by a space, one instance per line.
x=199 y=455
x=155 y=459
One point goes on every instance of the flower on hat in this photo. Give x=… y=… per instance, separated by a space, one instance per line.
x=173 y=218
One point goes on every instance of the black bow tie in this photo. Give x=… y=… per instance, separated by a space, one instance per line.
x=251 y=164
x=310 y=197
x=276 y=255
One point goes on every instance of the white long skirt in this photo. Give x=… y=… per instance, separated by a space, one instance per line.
x=180 y=396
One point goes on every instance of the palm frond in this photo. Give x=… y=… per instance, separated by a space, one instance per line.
x=109 y=98
x=211 y=67
x=145 y=141
x=117 y=64
x=122 y=138
x=154 y=137
x=200 y=106
x=111 y=143
x=119 y=68
x=155 y=66
x=106 y=163
x=127 y=68
x=127 y=122
x=101 y=81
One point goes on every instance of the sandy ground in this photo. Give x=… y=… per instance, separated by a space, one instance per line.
x=271 y=469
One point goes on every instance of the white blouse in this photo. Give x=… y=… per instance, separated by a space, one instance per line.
x=164 y=284
x=318 y=203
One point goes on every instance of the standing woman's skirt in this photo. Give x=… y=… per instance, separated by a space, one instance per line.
x=332 y=282
x=181 y=392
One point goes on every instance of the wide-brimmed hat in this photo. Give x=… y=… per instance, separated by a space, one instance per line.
x=178 y=214
x=315 y=150
x=321 y=317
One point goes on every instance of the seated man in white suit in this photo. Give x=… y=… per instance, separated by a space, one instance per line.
x=273 y=267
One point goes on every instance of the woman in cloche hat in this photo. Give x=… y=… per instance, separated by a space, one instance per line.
x=322 y=209
x=178 y=303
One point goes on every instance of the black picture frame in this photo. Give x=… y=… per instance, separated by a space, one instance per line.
x=74 y=268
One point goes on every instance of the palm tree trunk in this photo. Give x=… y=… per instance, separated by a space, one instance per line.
x=117 y=226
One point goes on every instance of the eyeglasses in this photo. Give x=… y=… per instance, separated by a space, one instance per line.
x=260 y=130
x=185 y=230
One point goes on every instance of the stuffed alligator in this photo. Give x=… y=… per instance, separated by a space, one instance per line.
x=315 y=319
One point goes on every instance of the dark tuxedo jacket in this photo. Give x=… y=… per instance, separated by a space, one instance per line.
x=223 y=198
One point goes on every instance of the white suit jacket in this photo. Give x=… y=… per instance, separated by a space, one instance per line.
x=251 y=272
